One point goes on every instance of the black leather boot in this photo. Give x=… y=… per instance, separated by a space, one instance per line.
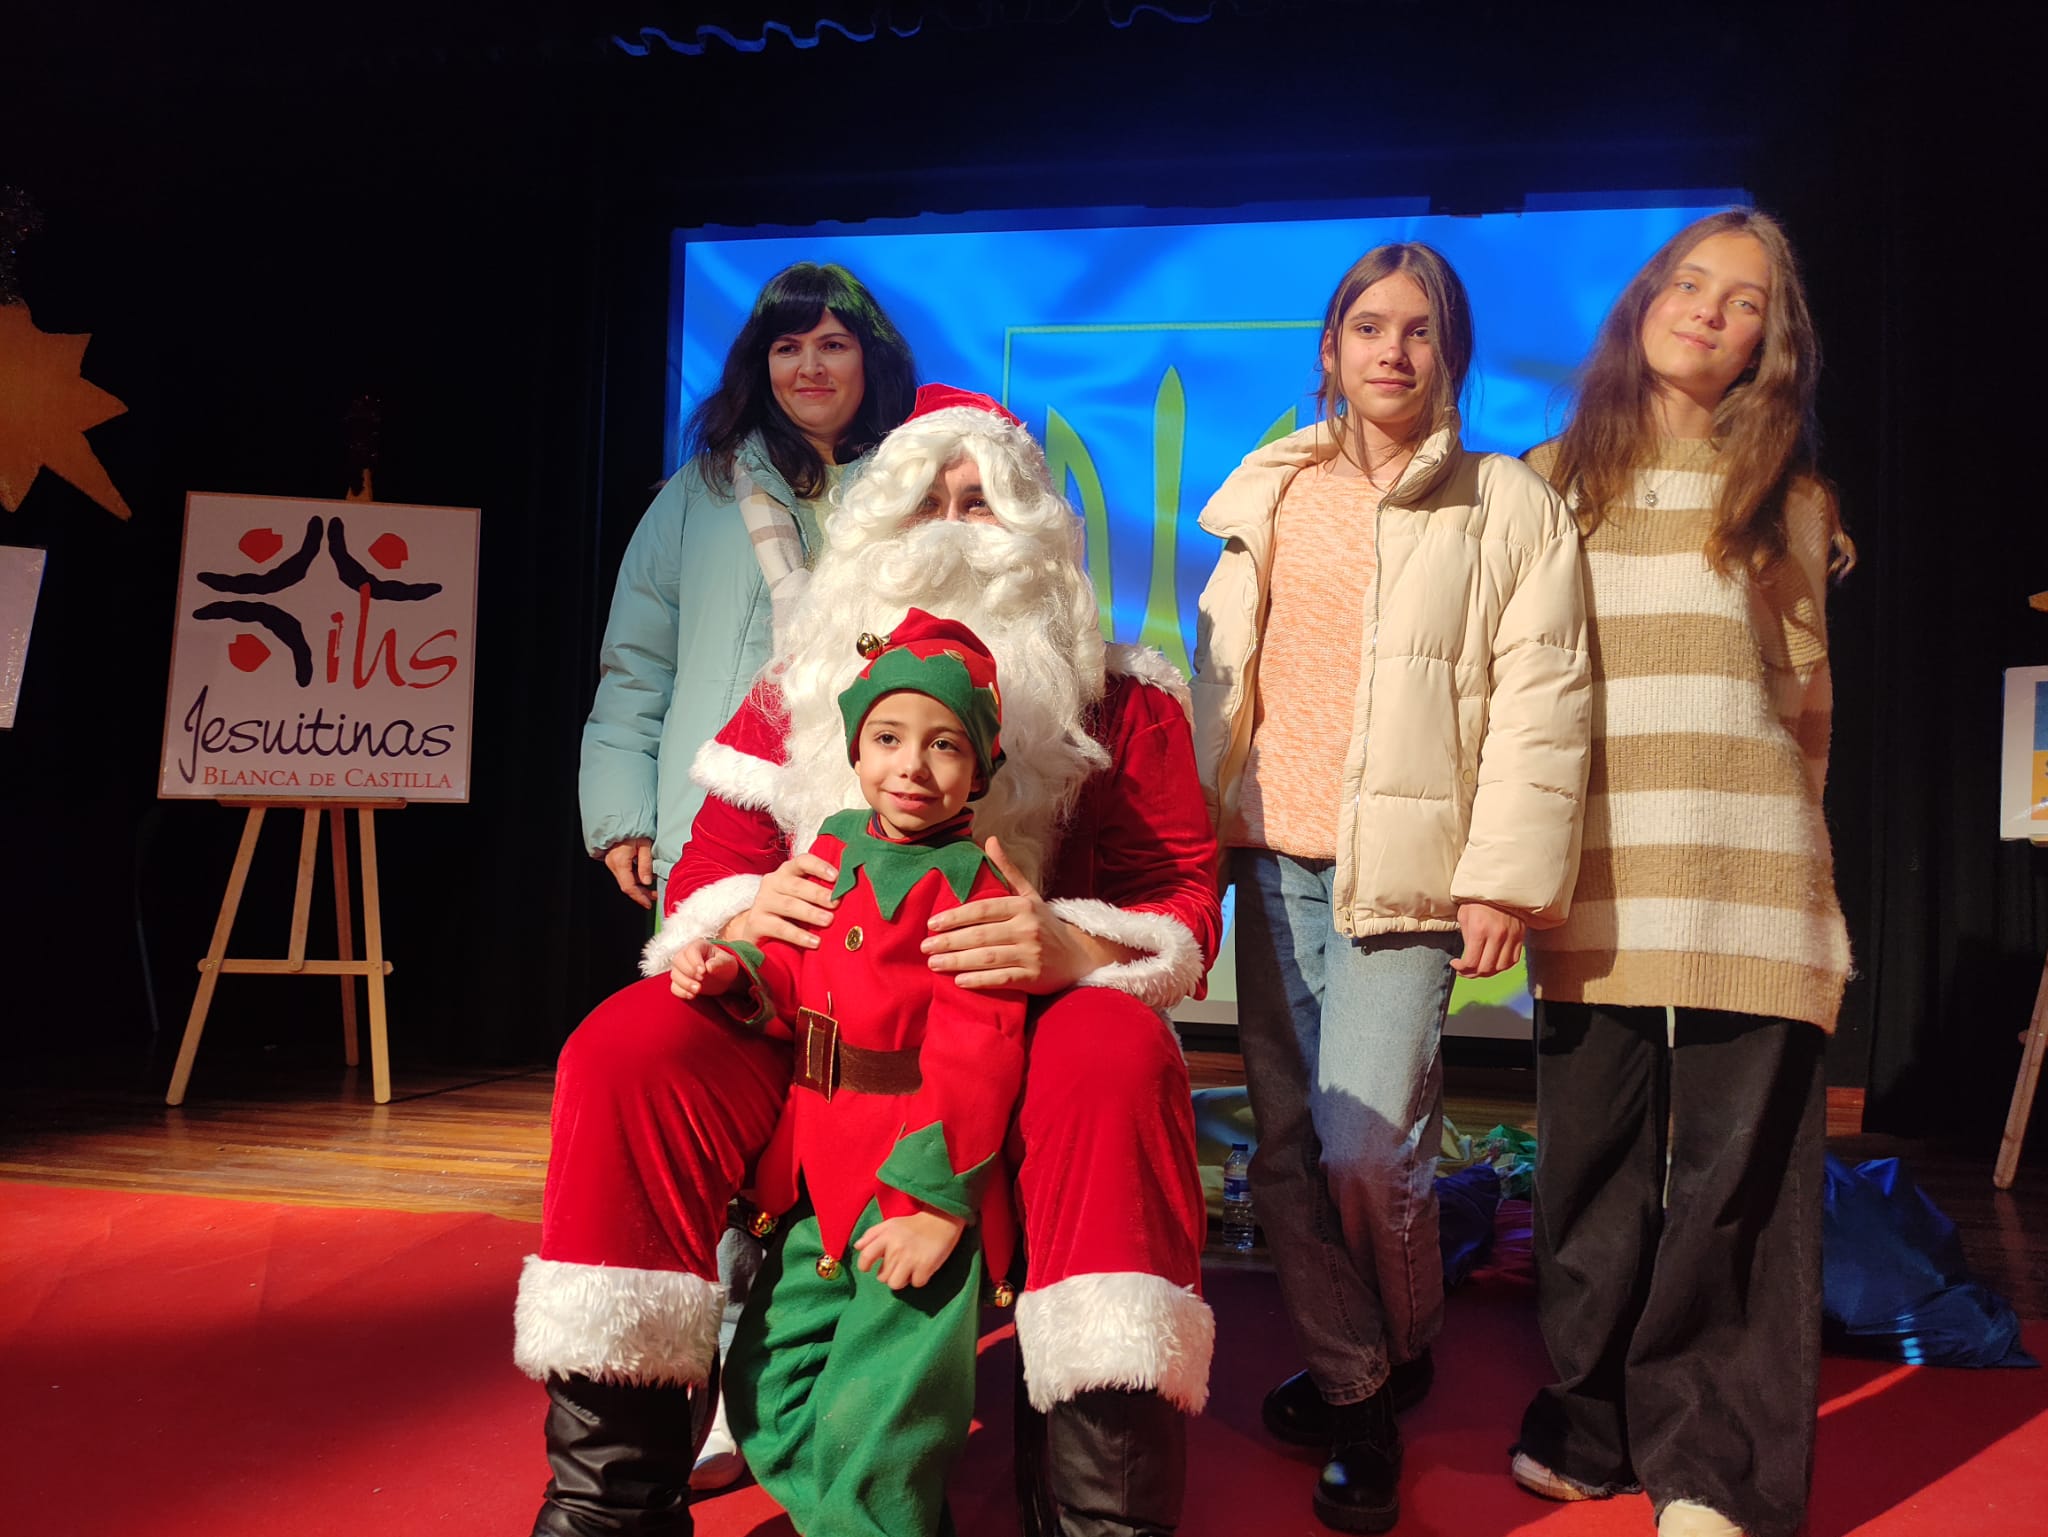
x=621 y=1458
x=1360 y=1488
x=1296 y=1411
x=1110 y=1463
x=1035 y=1514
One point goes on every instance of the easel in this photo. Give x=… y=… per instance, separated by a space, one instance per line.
x=372 y=965
x=362 y=421
x=2036 y=1039
x=2007 y=1168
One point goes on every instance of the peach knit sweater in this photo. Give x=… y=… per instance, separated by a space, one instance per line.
x=1324 y=563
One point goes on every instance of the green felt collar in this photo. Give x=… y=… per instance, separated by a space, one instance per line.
x=893 y=868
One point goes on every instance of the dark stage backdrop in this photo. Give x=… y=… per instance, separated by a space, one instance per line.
x=261 y=219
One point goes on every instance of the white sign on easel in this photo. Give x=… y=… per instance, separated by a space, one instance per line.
x=2023 y=813
x=2023 y=767
x=21 y=578
x=324 y=649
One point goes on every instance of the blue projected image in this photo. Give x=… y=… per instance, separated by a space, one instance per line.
x=1150 y=358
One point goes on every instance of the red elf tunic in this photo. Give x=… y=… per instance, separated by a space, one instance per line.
x=869 y=987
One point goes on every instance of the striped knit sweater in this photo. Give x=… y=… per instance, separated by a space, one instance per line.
x=1707 y=880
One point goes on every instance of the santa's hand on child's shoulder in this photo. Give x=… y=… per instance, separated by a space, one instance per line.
x=794 y=900
x=701 y=969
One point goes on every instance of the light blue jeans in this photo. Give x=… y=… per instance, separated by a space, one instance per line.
x=1342 y=1056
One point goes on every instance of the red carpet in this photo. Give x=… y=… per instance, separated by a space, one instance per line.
x=172 y=1366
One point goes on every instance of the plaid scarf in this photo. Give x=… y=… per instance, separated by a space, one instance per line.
x=778 y=547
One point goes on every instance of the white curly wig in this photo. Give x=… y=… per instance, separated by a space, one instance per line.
x=1018 y=583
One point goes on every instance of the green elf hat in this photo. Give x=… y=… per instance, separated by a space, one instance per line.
x=942 y=659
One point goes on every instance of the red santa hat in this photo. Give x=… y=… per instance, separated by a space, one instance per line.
x=941 y=659
x=950 y=397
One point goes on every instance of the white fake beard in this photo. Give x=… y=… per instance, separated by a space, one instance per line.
x=1030 y=603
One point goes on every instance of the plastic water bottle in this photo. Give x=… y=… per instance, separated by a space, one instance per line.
x=1237 y=1199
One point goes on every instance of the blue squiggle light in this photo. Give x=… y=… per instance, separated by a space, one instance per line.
x=651 y=35
x=1152 y=8
x=1121 y=16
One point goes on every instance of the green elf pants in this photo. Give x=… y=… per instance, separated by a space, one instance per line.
x=852 y=1401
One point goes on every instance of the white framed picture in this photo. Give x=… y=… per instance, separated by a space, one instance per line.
x=21 y=579
x=2023 y=778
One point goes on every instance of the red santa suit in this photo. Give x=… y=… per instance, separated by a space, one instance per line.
x=663 y=1108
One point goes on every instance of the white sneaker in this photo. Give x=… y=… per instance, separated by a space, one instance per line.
x=1540 y=1480
x=1683 y=1518
x=720 y=1465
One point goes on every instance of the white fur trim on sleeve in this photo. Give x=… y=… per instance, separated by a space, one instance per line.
x=646 y=1327
x=1148 y=665
x=1162 y=978
x=1120 y=1329
x=698 y=916
x=738 y=778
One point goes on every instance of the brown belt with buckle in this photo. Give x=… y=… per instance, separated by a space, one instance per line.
x=825 y=1064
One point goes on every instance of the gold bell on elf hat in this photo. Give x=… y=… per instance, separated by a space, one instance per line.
x=942 y=659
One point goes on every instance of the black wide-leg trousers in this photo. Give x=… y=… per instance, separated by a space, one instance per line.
x=1677 y=1218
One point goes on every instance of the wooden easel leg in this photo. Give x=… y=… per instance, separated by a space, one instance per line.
x=209 y=969
x=344 y=930
x=2023 y=1090
x=373 y=952
x=302 y=889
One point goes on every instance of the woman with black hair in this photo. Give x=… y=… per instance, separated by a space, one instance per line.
x=815 y=378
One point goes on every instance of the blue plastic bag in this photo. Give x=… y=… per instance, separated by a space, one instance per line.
x=1893 y=1280
x=1466 y=1201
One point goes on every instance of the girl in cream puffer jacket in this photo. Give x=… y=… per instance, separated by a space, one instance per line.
x=1477 y=639
x=1383 y=589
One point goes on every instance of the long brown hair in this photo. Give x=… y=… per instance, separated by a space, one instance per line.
x=1764 y=427
x=1450 y=326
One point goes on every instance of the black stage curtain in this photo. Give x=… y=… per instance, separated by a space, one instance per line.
x=262 y=218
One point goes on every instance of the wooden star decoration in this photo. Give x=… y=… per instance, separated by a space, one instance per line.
x=45 y=409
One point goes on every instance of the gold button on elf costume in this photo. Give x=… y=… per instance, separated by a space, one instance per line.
x=854 y=937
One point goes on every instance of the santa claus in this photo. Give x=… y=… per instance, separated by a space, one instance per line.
x=1097 y=820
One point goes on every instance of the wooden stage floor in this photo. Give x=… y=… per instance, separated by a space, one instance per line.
x=456 y=1141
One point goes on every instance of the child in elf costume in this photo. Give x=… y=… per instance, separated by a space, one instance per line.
x=850 y=1384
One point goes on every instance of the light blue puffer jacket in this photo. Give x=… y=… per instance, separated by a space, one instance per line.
x=690 y=626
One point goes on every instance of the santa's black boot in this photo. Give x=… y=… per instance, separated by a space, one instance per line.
x=1116 y=1465
x=621 y=1457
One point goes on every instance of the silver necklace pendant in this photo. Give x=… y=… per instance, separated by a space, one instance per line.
x=1650 y=497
